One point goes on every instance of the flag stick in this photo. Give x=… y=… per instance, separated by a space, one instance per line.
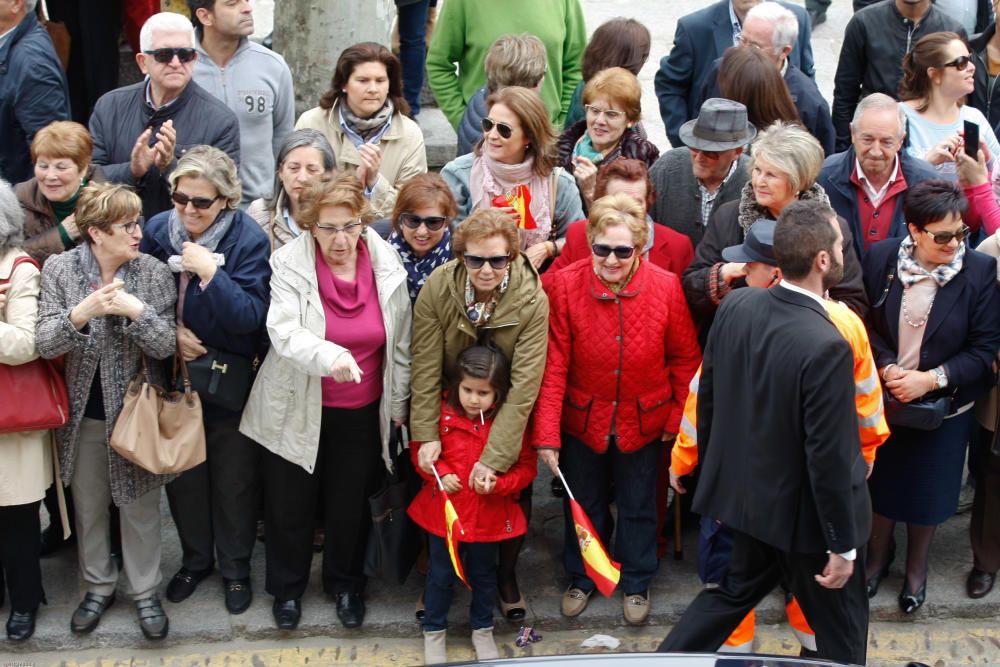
x=437 y=477
x=565 y=485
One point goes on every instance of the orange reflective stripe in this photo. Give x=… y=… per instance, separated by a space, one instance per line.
x=743 y=634
x=684 y=455
x=800 y=627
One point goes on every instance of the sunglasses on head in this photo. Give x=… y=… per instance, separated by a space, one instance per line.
x=198 y=202
x=959 y=63
x=431 y=222
x=944 y=238
x=503 y=129
x=166 y=55
x=498 y=262
x=621 y=252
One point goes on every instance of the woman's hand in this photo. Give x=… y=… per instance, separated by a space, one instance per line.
x=451 y=483
x=585 y=173
x=69 y=224
x=97 y=304
x=911 y=385
x=371 y=162
x=733 y=270
x=550 y=457
x=537 y=254
x=512 y=212
x=126 y=305
x=345 y=369
x=482 y=478
x=945 y=150
x=971 y=172
x=428 y=454
x=198 y=260
x=188 y=345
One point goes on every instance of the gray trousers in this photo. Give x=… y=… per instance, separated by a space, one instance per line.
x=140 y=523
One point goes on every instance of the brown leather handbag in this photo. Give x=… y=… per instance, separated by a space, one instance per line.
x=160 y=431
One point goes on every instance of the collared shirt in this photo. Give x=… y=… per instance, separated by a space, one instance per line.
x=4 y=37
x=735 y=23
x=876 y=196
x=290 y=223
x=149 y=97
x=708 y=197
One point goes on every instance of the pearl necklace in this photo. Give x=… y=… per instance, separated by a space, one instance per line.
x=906 y=312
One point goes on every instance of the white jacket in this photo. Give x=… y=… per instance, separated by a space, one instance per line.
x=284 y=410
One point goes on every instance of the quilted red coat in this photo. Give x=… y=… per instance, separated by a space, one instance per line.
x=488 y=518
x=617 y=364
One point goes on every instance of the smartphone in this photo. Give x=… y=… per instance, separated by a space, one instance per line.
x=972 y=139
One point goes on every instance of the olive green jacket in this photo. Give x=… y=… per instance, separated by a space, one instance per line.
x=441 y=330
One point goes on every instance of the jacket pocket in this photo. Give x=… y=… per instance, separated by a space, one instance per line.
x=576 y=411
x=652 y=410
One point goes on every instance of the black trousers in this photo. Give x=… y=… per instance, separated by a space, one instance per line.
x=348 y=470
x=213 y=503
x=984 y=528
x=19 y=553
x=838 y=616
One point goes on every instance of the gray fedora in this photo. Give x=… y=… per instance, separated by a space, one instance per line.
x=721 y=125
x=758 y=246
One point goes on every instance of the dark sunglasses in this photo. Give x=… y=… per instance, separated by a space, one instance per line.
x=431 y=222
x=959 y=63
x=198 y=202
x=621 y=252
x=164 y=56
x=504 y=129
x=476 y=262
x=944 y=238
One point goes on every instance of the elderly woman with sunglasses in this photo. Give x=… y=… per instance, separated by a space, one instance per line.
x=219 y=258
x=489 y=292
x=518 y=148
x=334 y=384
x=934 y=325
x=621 y=351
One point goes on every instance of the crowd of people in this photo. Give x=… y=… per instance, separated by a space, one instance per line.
x=564 y=292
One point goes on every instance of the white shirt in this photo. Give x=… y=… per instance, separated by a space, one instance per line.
x=876 y=196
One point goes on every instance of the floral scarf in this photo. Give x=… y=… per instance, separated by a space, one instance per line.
x=910 y=271
x=418 y=269
x=490 y=178
x=366 y=128
x=480 y=312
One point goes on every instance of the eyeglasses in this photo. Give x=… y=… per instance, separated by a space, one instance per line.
x=611 y=114
x=498 y=262
x=944 y=238
x=166 y=55
x=753 y=45
x=504 y=129
x=200 y=203
x=432 y=222
x=130 y=227
x=350 y=229
x=960 y=63
x=621 y=252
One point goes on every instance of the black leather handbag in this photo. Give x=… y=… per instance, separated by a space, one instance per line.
x=394 y=540
x=222 y=379
x=924 y=414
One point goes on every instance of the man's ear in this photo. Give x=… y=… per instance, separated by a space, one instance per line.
x=140 y=60
x=204 y=16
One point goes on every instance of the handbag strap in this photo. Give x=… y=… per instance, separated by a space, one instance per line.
x=23 y=259
x=185 y=377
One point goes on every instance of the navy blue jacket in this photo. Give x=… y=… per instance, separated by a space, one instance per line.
x=33 y=93
x=835 y=177
x=963 y=332
x=700 y=38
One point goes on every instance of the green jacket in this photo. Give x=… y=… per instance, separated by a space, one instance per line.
x=441 y=330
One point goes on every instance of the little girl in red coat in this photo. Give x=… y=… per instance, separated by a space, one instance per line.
x=488 y=511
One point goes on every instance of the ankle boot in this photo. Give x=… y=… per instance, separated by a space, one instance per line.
x=435 y=652
x=482 y=641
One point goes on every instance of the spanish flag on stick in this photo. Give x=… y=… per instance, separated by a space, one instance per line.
x=451 y=525
x=603 y=571
x=518 y=197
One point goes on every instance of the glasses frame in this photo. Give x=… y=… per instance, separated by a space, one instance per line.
x=503 y=129
x=944 y=238
x=476 y=262
x=125 y=226
x=611 y=115
x=350 y=229
x=200 y=203
x=185 y=54
x=433 y=223
x=960 y=63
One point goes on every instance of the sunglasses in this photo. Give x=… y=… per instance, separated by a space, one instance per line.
x=708 y=155
x=200 y=203
x=130 y=227
x=960 y=63
x=476 y=262
x=165 y=56
x=431 y=222
x=944 y=238
x=621 y=252
x=503 y=129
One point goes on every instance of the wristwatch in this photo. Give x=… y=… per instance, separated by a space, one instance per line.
x=940 y=379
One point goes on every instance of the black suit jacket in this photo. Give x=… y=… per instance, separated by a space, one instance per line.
x=779 y=450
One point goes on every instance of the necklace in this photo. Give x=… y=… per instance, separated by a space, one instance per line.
x=906 y=312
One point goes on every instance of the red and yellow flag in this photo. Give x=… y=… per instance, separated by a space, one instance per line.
x=519 y=197
x=603 y=571
x=451 y=526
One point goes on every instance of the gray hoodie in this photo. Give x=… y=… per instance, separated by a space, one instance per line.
x=257 y=85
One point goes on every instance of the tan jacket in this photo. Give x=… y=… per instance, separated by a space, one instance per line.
x=285 y=406
x=25 y=458
x=272 y=222
x=402 y=146
x=986 y=407
x=441 y=330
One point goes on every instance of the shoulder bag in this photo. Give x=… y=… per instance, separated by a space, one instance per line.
x=394 y=540
x=222 y=379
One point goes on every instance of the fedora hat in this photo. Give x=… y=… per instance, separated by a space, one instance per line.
x=721 y=125
x=758 y=246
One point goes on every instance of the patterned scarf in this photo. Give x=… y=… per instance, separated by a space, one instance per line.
x=365 y=127
x=910 y=271
x=480 y=312
x=418 y=269
x=750 y=212
x=584 y=147
x=92 y=270
x=490 y=178
x=209 y=238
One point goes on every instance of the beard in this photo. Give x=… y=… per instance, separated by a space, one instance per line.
x=834 y=275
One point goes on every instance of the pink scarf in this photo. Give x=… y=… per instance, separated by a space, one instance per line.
x=490 y=178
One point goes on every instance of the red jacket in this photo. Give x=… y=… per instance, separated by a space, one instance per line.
x=489 y=518
x=616 y=364
x=671 y=250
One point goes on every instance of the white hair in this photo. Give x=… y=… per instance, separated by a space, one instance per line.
x=163 y=22
x=786 y=26
x=11 y=219
x=879 y=102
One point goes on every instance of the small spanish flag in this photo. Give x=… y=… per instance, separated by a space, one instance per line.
x=603 y=571
x=451 y=526
x=518 y=197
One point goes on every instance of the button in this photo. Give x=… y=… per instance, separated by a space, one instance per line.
x=447 y=417
x=617 y=371
x=606 y=437
x=618 y=338
x=614 y=403
x=604 y=294
x=875 y=214
x=873 y=232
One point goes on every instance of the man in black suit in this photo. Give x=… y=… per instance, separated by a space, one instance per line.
x=784 y=470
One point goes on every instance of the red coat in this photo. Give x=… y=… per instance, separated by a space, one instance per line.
x=616 y=364
x=671 y=250
x=489 y=518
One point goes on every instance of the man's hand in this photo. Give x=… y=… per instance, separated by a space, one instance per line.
x=836 y=573
x=143 y=156
x=428 y=455
x=550 y=457
x=166 y=141
x=675 y=483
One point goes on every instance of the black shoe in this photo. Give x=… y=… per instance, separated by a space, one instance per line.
x=88 y=614
x=238 y=595
x=558 y=490
x=152 y=619
x=287 y=614
x=21 y=625
x=816 y=17
x=909 y=602
x=184 y=583
x=873 y=582
x=350 y=609
x=52 y=541
x=979 y=583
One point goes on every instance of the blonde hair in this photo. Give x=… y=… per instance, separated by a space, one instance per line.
x=483 y=224
x=618 y=209
x=102 y=204
x=515 y=60
x=340 y=190
x=793 y=151
x=214 y=166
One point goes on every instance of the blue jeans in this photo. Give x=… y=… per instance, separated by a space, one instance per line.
x=479 y=560
x=630 y=481
x=715 y=549
x=413 y=50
